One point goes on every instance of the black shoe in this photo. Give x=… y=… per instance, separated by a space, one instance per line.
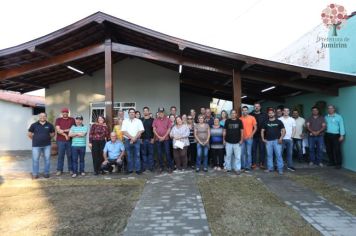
x=96 y=173
x=34 y=176
x=338 y=167
x=330 y=164
x=138 y=172
x=46 y=176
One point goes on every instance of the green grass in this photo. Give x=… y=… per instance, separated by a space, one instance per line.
x=243 y=206
x=67 y=207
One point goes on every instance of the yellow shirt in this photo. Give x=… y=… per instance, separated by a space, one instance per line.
x=117 y=130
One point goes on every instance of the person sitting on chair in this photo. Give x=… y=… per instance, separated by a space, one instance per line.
x=113 y=153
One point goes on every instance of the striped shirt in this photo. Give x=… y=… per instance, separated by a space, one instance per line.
x=191 y=135
x=79 y=141
x=216 y=138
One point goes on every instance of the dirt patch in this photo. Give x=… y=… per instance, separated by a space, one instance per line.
x=67 y=207
x=243 y=206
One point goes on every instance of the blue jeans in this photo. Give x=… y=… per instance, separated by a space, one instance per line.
x=274 y=147
x=167 y=150
x=288 y=145
x=298 y=148
x=246 y=157
x=36 y=152
x=260 y=145
x=202 y=151
x=133 y=155
x=316 y=145
x=78 y=153
x=147 y=154
x=233 y=156
x=64 y=148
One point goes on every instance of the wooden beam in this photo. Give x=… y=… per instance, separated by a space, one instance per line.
x=54 y=61
x=33 y=84
x=246 y=66
x=237 y=90
x=109 y=98
x=168 y=57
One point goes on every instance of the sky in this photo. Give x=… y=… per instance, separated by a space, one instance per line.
x=259 y=28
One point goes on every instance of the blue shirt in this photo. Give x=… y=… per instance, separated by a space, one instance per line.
x=114 y=150
x=334 y=124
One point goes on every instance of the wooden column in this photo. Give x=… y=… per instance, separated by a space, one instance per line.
x=236 y=85
x=109 y=98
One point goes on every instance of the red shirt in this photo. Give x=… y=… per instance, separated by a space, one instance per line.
x=63 y=125
x=161 y=126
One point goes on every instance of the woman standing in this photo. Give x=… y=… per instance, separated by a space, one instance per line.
x=217 y=145
x=98 y=135
x=117 y=129
x=202 y=136
x=192 y=149
x=180 y=134
x=184 y=119
x=224 y=117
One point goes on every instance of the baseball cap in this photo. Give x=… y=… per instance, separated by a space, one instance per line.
x=65 y=110
x=79 y=117
x=160 y=109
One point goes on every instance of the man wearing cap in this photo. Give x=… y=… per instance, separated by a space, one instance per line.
x=78 y=133
x=161 y=128
x=132 y=129
x=63 y=125
x=113 y=153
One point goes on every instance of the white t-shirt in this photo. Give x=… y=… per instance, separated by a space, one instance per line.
x=132 y=126
x=300 y=123
x=289 y=124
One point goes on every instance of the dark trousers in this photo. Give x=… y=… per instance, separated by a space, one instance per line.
x=218 y=157
x=180 y=157
x=147 y=154
x=64 y=148
x=108 y=166
x=78 y=154
x=192 y=154
x=97 y=153
x=167 y=149
x=261 y=146
x=298 y=148
x=333 y=148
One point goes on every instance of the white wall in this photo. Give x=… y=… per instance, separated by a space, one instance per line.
x=307 y=51
x=14 y=126
x=135 y=80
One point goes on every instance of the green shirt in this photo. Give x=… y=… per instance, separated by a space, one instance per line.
x=334 y=124
x=79 y=141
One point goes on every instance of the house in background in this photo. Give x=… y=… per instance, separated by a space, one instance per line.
x=18 y=111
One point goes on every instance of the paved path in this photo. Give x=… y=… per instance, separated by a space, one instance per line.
x=326 y=217
x=169 y=205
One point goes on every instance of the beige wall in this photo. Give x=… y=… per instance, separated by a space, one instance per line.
x=14 y=126
x=135 y=80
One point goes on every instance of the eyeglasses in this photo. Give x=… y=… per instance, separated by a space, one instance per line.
x=190 y=118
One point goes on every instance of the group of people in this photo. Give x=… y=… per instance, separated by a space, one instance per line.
x=227 y=142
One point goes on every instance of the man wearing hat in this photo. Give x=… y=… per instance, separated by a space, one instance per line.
x=63 y=125
x=161 y=128
x=113 y=153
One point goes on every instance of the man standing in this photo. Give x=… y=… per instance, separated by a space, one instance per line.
x=147 y=140
x=161 y=128
x=209 y=119
x=289 y=125
x=272 y=134
x=335 y=132
x=173 y=111
x=261 y=119
x=113 y=153
x=250 y=127
x=233 y=138
x=63 y=125
x=316 y=126
x=132 y=129
x=202 y=111
x=41 y=133
x=298 y=135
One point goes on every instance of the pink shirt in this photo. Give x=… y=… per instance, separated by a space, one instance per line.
x=162 y=126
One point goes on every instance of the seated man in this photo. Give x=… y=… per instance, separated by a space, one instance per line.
x=113 y=153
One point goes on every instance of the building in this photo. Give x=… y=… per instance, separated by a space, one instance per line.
x=18 y=112
x=101 y=63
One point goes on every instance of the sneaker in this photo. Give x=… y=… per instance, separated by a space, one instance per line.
x=58 y=173
x=74 y=175
x=82 y=174
x=205 y=170
x=238 y=172
x=218 y=168
x=138 y=172
x=321 y=164
x=176 y=171
x=280 y=172
x=311 y=163
x=70 y=172
x=291 y=168
x=197 y=170
x=247 y=170
x=46 y=176
x=34 y=176
x=268 y=171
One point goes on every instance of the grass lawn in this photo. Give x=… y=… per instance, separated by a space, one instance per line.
x=332 y=193
x=67 y=207
x=244 y=206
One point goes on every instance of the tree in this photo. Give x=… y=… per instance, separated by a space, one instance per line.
x=334 y=16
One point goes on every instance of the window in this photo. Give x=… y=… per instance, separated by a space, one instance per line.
x=98 y=108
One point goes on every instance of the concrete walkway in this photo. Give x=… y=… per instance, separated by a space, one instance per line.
x=170 y=205
x=326 y=217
